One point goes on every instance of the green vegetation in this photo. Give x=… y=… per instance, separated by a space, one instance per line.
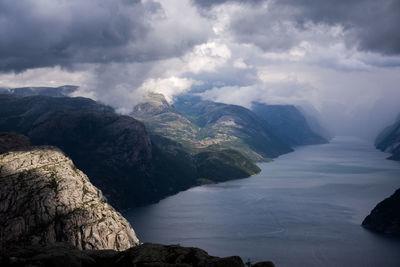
x=224 y=165
x=199 y=126
x=212 y=164
x=75 y=169
x=53 y=184
x=203 y=181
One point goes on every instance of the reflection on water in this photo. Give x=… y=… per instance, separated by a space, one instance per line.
x=304 y=209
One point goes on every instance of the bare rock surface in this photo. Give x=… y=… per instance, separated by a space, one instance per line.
x=45 y=199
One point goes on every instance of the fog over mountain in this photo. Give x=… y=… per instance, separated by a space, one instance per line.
x=341 y=58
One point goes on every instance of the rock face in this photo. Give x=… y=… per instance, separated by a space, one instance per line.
x=289 y=124
x=45 y=199
x=144 y=255
x=389 y=140
x=385 y=217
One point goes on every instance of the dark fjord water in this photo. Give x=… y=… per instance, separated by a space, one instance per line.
x=303 y=209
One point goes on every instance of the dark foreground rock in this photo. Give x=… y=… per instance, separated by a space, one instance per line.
x=10 y=141
x=144 y=255
x=385 y=217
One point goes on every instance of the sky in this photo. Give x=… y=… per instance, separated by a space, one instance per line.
x=340 y=58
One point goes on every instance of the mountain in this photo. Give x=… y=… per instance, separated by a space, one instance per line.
x=288 y=123
x=232 y=126
x=164 y=120
x=45 y=199
x=389 y=140
x=181 y=140
x=51 y=215
x=115 y=151
x=60 y=91
x=385 y=217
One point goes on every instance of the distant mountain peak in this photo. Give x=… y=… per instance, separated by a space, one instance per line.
x=152 y=104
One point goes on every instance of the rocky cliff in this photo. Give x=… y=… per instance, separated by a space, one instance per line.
x=45 y=199
x=389 y=140
x=385 y=217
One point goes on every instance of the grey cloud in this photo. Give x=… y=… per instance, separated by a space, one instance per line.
x=42 y=33
x=370 y=25
x=373 y=24
x=211 y=3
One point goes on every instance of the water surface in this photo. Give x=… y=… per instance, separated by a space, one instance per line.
x=303 y=209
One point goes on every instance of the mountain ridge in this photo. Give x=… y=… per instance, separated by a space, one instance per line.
x=207 y=123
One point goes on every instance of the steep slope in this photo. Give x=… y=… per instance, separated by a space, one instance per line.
x=45 y=199
x=385 y=217
x=180 y=141
x=162 y=119
x=220 y=165
x=288 y=123
x=389 y=140
x=114 y=151
x=235 y=127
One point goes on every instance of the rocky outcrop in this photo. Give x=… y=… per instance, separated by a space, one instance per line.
x=385 y=217
x=144 y=255
x=45 y=199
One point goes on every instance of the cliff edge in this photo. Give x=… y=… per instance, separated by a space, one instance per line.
x=45 y=199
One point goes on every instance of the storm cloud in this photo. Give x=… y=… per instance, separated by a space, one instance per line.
x=369 y=25
x=339 y=58
x=42 y=33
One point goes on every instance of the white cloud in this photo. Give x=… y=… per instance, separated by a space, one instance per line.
x=207 y=57
x=169 y=87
